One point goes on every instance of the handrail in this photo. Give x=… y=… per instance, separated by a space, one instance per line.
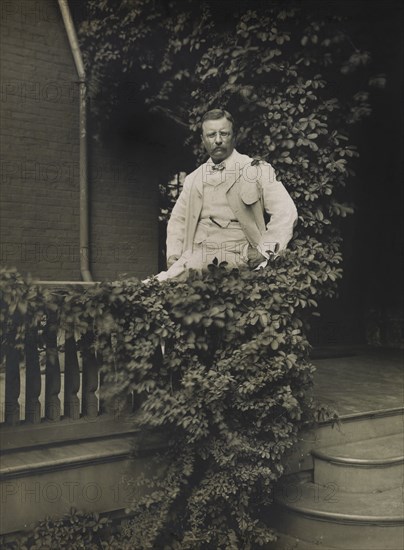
x=65 y=283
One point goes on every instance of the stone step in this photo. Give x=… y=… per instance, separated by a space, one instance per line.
x=352 y=428
x=368 y=466
x=285 y=542
x=325 y=515
x=88 y=475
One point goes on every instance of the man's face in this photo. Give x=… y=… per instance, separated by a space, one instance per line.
x=218 y=138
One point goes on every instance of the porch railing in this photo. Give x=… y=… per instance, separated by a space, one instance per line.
x=47 y=378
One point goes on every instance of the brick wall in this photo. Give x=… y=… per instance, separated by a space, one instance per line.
x=39 y=143
x=124 y=213
x=39 y=140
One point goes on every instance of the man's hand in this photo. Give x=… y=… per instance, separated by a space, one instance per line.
x=254 y=257
x=171 y=260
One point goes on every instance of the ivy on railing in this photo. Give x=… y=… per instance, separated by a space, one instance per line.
x=42 y=324
x=219 y=363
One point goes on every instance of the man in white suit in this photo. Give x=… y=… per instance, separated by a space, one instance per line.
x=220 y=211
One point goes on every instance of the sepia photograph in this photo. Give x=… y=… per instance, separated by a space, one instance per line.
x=201 y=274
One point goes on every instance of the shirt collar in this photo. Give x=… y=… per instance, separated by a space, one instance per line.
x=228 y=162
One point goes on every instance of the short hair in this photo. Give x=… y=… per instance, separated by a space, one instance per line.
x=215 y=114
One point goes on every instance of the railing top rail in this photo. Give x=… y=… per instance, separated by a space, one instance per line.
x=56 y=284
x=65 y=283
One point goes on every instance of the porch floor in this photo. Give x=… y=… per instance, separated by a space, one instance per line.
x=359 y=380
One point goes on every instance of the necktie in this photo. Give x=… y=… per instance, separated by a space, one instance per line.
x=220 y=166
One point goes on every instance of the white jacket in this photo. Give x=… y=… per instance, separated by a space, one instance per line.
x=251 y=187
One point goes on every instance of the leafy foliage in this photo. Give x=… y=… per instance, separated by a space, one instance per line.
x=227 y=379
x=75 y=531
x=218 y=363
x=292 y=78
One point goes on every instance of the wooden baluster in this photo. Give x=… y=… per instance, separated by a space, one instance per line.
x=72 y=377
x=52 y=372
x=121 y=406
x=112 y=406
x=90 y=378
x=33 y=376
x=13 y=357
x=131 y=403
x=138 y=400
x=103 y=404
x=104 y=407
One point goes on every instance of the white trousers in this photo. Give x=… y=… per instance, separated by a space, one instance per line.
x=227 y=243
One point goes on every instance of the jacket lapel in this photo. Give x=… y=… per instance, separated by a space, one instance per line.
x=233 y=174
x=198 y=179
x=235 y=171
